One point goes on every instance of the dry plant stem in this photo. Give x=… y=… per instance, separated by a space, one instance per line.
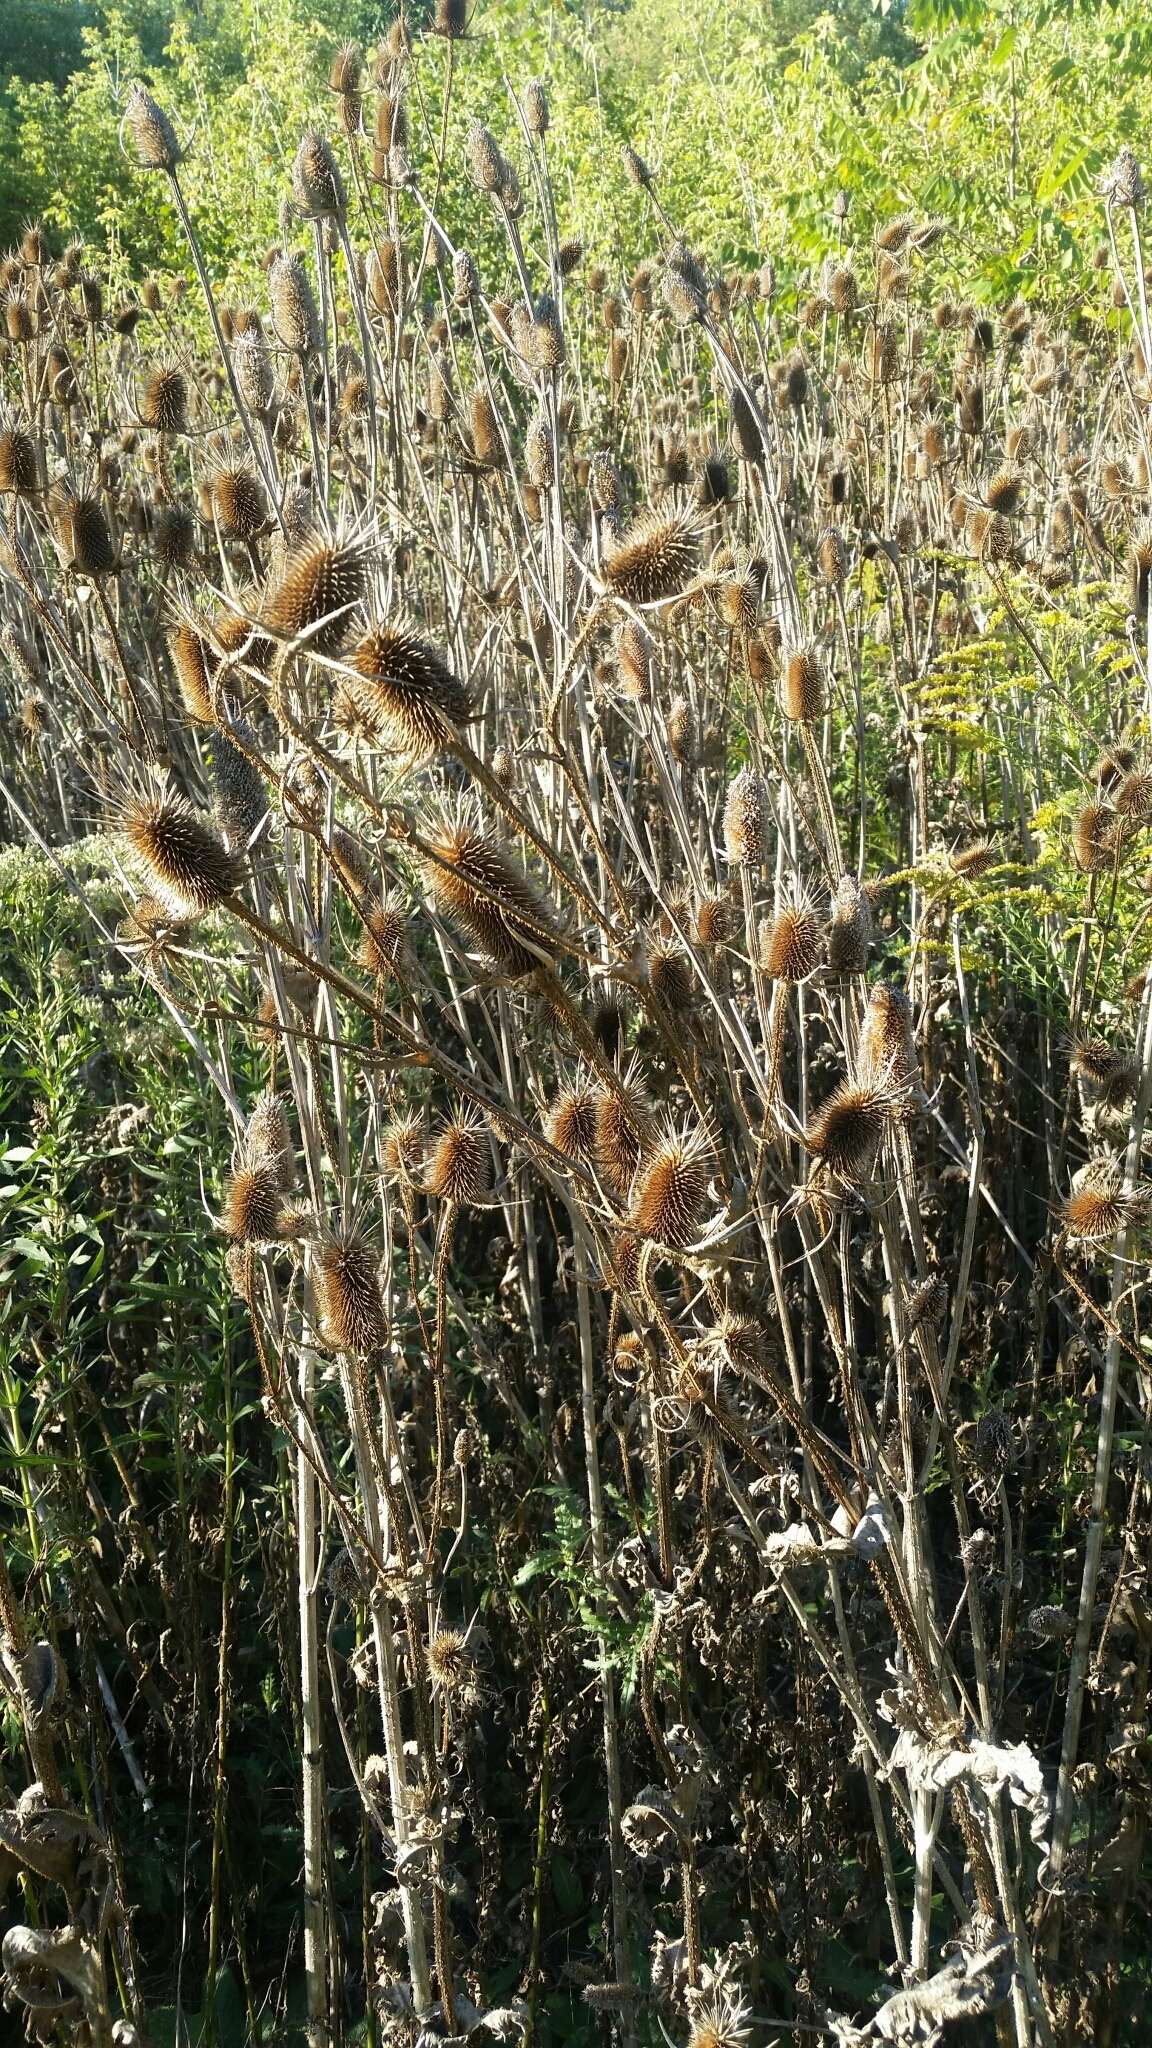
x=316 y=1940
x=1106 y=1423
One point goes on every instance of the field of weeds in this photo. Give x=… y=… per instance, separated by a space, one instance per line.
x=576 y=1065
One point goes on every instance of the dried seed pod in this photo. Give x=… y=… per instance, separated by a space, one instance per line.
x=187 y=867
x=460 y=1169
x=655 y=557
x=572 y=1122
x=745 y=820
x=18 y=469
x=383 y=941
x=886 y=1052
x=450 y=19
x=680 y=730
x=635 y=169
x=239 y=503
x=635 y=661
x=406 y=691
x=476 y=885
x=252 y=1203
x=844 y=1136
x=1115 y=1074
x=1005 y=493
x=349 y=1298
x=1091 y=842
x=485 y=160
x=173 y=536
x=194 y=662
x=850 y=931
x=713 y=921
x=623 y=1128
x=832 y=557
x=670 y=977
x=540 y=454
x=671 y=1189
x=252 y=366
x=84 y=534
x=319 y=594
x=294 y=314
x=164 y=402
x=803 y=688
x=152 y=133
x=317 y=185
x=792 y=944
x=1099 y=1207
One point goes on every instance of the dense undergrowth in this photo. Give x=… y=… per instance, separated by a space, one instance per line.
x=577 y=1047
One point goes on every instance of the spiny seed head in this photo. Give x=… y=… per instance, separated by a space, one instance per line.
x=1133 y=795
x=319 y=593
x=239 y=502
x=973 y=860
x=1112 y=766
x=713 y=922
x=252 y=365
x=348 y=1292
x=635 y=652
x=680 y=729
x=803 y=688
x=1116 y=1074
x=655 y=557
x=623 y=1128
x=194 y=662
x=1005 y=493
x=571 y=1123
x=485 y=159
x=1098 y=1207
x=187 y=866
x=152 y=133
x=241 y=798
x=268 y=1140
x=539 y=454
x=404 y=1145
x=476 y=885
x=407 y=692
x=670 y=977
x=635 y=169
x=345 y=69
x=383 y=940
x=294 y=314
x=832 y=557
x=164 y=401
x=850 y=931
x=536 y=107
x=671 y=1189
x=844 y=1135
x=792 y=943
x=18 y=472
x=460 y=1169
x=450 y=19
x=317 y=186
x=451 y=1662
x=887 y=1051
x=252 y=1204
x=487 y=445
x=1091 y=845
x=84 y=534
x=745 y=819
x=173 y=536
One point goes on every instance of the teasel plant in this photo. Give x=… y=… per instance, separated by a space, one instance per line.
x=600 y=748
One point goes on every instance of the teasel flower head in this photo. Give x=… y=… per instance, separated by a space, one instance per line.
x=792 y=942
x=450 y=19
x=348 y=1295
x=974 y=860
x=539 y=454
x=680 y=731
x=655 y=556
x=408 y=694
x=671 y=1188
x=604 y=482
x=572 y=1121
x=460 y=1168
x=684 y=286
x=1005 y=493
x=173 y=536
x=720 y=2019
x=187 y=866
x=845 y=1134
x=18 y=470
x=384 y=939
x=451 y=1662
x=850 y=930
x=486 y=162
x=1122 y=184
x=480 y=890
x=320 y=592
x=239 y=502
x=253 y=1202
x=268 y=1140
x=153 y=136
x=745 y=820
x=1115 y=1074
x=803 y=686
x=294 y=314
x=164 y=401
x=886 y=1051
x=635 y=661
x=84 y=534
x=671 y=980
x=928 y=1303
x=713 y=921
x=623 y=1128
x=1099 y=1207
x=1092 y=844
x=546 y=337
x=832 y=557
x=635 y=169
x=404 y=1148
x=317 y=186
x=1133 y=795
x=241 y=797
x=1110 y=767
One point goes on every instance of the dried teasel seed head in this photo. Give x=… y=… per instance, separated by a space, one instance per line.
x=239 y=502
x=317 y=185
x=480 y=890
x=1005 y=493
x=571 y=1123
x=850 y=930
x=604 y=486
x=164 y=402
x=241 y=797
x=194 y=663
x=403 y=1148
x=294 y=315
x=535 y=105
x=85 y=536
x=153 y=136
x=1116 y=1074
x=188 y=868
x=623 y=1128
x=460 y=1168
x=540 y=454
x=253 y=1202
x=451 y=1661
x=268 y=1139
x=714 y=921
x=655 y=556
x=173 y=536
x=680 y=729
x=1091 y=842
x=348 y=1295
x=671 y=1189
x=670 y=977
x=803 y=686
x=384 y=940
x=745 y=820
x=635 y=169
x=486 y=163
x=886 y=1051
x=635 y=661
x=450 y=19
x=1099 y=1206
x=844 y=1136
x=832 y=557
x=18 y=467
x=973 y=860
x=406 y=691
x=792 y=942
x=319 y=594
